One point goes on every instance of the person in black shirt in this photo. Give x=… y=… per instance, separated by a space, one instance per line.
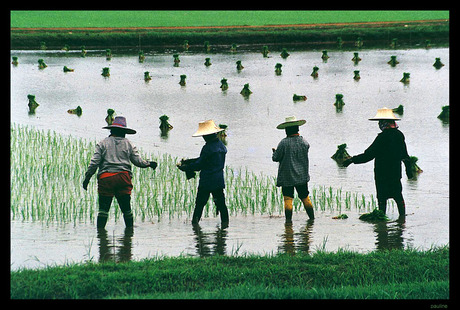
x=388 y=150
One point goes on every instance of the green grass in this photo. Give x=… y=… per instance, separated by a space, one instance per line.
x=207 y=18
x=396 y=274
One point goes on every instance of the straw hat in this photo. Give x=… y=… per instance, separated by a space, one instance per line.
x=120 y=122
x=206 y=128
x=383 y=114
x=291 y=121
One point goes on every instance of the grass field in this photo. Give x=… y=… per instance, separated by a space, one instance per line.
x=64 y=19
x=396 y=274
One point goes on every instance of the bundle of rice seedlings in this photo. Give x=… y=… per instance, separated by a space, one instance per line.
x=374 y=216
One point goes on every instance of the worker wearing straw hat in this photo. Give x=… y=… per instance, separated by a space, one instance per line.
x=292 y=155
x=113 y=157
x=388 y=150
x=211 y=165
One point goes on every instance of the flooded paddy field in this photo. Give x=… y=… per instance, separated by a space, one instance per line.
x=251 y=134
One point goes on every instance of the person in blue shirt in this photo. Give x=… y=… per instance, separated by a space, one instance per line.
x=211 y=165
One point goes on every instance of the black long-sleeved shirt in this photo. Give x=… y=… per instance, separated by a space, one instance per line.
x=388 y=150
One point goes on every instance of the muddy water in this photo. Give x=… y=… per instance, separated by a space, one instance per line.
x=251 y=135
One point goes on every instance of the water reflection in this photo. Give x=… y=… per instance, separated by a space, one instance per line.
x=208 y=244
x=292 y=242
x=389 y=235
x=116 y=249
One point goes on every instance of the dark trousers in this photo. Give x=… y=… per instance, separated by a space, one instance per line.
x=390 y=189
x=202 y=198
x=302 y=190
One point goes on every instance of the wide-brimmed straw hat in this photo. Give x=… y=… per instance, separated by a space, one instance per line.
x=384 y=114
x=291 y=121
x=120 y=122
x=206 y=128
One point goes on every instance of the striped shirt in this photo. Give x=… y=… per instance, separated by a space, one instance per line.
x=292 y=155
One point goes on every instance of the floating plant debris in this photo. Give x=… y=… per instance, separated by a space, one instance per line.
x=32 y=103
x=444 y=115
x=299 y=97
x=141 y=56
x=278 y=69
x=105 y=72
x=265 y=51
x=356 y=59
x=438 y=64
x=342 y=216
x=356 y=77
x=108 y=54
x=399 y=110
x=176 y=60
x=77 y=111
x=224 y=85
x=246 y=91
x=66 y=69
x=393 y=62
x=239 y=66
x=182 y=80
x=314 y=74
x=406 y=78
x=110 y=116
x=41 y=64
x=284 y=53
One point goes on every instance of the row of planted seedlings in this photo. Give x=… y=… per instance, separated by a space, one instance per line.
x=47 y=170
x=246 y=92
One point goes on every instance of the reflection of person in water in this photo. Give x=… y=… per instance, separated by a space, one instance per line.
x=204 y=241
x=288 y=239
x=389 y=235
x=107 y=250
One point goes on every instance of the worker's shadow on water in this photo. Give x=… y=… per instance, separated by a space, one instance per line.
x=113 y=248
x=209 y=244
x=292 y=242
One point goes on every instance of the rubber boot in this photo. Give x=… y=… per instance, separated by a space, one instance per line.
x=103 y=214
x=125 y=205
x=288 y=208
x=401 y=209
x=308 y=207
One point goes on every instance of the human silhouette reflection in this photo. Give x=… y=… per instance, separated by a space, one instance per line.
x=209 y=244
x=389 y=234
x=296 y=242
x=110 y=251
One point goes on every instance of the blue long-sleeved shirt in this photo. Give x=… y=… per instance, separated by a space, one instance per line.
x=211 y=165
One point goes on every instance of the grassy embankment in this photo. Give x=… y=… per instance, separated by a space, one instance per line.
x=93 y=29
x=396 y=274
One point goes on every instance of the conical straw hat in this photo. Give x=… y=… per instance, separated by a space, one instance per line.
x=383 y=114
x=206 y=128
x=291 y=121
